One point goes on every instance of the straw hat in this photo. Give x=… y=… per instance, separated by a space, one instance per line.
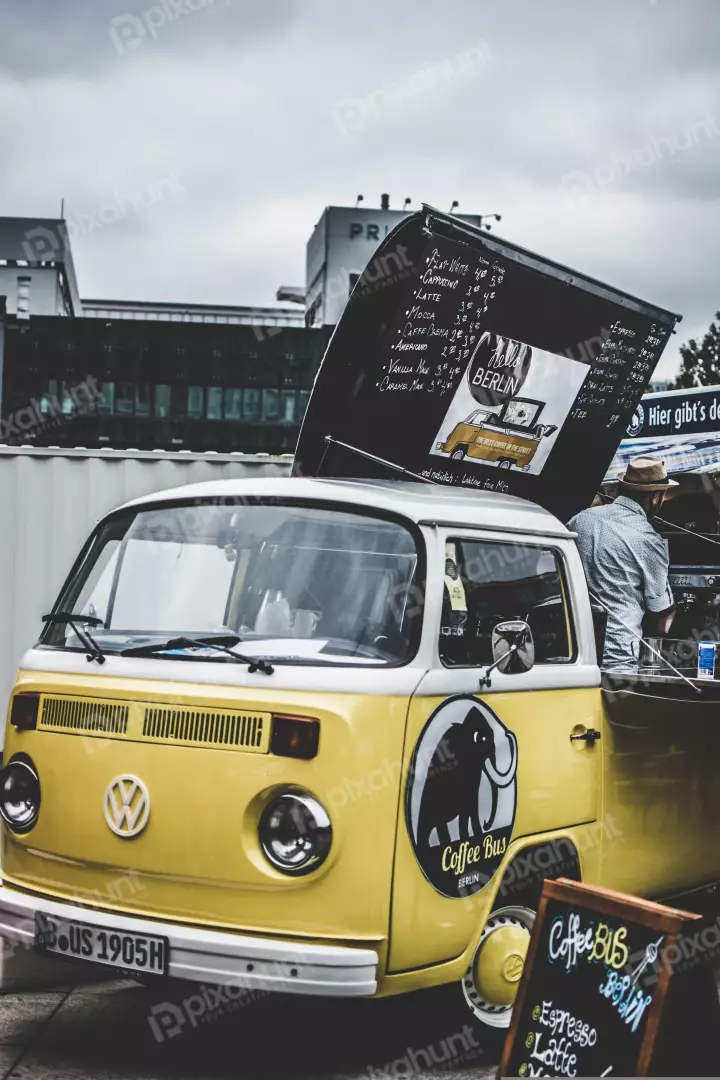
x=646 y=474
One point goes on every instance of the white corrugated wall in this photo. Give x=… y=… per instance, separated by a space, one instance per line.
x=49 y=502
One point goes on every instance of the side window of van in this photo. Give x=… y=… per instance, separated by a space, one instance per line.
x=486 y=583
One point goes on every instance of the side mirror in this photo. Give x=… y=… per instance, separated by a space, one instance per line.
x=513 y=647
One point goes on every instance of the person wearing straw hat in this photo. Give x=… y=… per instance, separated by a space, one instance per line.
x=626 y=561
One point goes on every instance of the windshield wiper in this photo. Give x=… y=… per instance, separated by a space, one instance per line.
x=256 y=664
x=94 y=652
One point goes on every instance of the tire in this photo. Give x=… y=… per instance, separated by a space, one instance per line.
x=505 y=463
x=503 y=944
x=458 y=455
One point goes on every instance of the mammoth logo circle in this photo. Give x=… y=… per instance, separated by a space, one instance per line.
x=461 y=795
x=498 y=368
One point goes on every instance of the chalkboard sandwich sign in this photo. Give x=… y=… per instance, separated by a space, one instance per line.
x=603 y=995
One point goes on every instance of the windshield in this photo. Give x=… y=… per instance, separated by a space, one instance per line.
x=292 y=582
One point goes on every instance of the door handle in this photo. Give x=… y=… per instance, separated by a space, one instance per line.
x=590 y=736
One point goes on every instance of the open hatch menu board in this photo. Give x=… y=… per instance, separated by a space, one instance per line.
x=468 y=361
x=594 y=998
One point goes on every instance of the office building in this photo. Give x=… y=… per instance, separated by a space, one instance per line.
x=173 y=376
x=341 y=245
x=157 y=385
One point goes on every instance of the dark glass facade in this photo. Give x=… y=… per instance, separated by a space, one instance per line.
x=157 y=385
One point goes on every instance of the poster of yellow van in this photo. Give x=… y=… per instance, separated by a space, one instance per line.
x=495 y=439
x=510 y=432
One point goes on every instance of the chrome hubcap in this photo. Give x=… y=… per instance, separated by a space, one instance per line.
x=492 y=979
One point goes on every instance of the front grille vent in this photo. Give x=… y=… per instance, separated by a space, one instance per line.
x=210 y=728
x=71 y=714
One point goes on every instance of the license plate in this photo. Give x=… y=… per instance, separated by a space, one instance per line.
x=81 y=941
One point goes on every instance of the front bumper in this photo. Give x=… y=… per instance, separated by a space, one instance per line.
x=211 y=956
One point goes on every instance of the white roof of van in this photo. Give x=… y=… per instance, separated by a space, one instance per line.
x=428 y=503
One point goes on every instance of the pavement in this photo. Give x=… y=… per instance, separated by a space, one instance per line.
x=120 y=1030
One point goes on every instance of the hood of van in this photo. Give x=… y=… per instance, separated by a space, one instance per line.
x=462 y=359
x=153 y=795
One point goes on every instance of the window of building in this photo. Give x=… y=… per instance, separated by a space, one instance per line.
x=195 y=396
x=106 y=401
x=68 y=403
x=162 y=401
x=142 y=399
x=303 y=398
x=312 y=315
x=233 y=404
x=271 y=404
x=49 y=400
x=487 y=583
x=23 y=297
x=251 y=404
x=125 y=399
x=214 y=403
x=287 y=406
x=178 y=401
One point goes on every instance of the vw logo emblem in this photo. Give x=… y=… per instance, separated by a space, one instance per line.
x=513 y=967
x=126 y=806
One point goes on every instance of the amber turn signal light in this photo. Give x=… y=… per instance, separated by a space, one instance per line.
x=295 y=736
x=24 y=711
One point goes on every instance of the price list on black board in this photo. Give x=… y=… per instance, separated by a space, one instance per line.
x=619 y=373
x=432 y=340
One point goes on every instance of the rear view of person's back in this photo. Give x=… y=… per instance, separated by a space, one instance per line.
x=626 y=562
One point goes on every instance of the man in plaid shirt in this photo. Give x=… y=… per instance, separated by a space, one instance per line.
x=626 y=561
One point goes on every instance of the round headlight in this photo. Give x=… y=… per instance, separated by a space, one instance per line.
x=295 y=833
x=19 y=794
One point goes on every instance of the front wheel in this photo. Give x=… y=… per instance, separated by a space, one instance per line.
x=458 y=455
x=491 y=982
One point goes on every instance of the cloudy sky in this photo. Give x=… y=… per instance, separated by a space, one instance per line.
x=196 y=142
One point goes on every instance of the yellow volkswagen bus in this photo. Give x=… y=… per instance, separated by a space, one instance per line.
x=328 y=737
